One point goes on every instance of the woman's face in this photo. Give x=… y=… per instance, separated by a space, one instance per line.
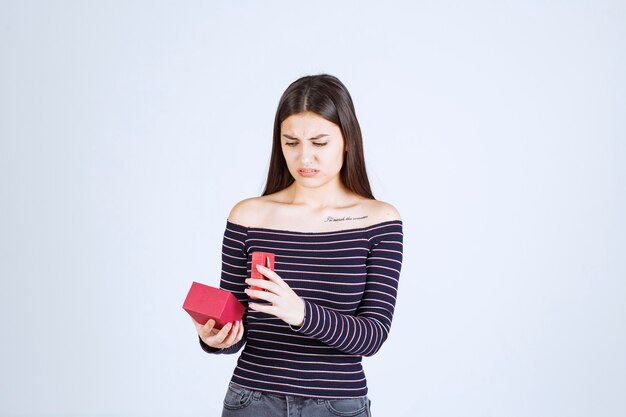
x=313 y=148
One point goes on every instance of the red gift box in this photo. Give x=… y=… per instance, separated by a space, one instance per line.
x=204 y=302
x=264 y=258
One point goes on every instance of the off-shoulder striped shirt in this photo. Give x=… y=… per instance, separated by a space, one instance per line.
x=348 y=280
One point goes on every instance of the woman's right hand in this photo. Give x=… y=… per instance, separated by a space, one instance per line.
x=219 y=339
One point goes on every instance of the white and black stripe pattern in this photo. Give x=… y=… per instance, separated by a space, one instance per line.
x=348 y=280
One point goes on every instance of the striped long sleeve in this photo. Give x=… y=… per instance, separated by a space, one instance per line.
x=365 y=332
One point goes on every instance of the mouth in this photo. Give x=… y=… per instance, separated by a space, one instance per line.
x=307 y=172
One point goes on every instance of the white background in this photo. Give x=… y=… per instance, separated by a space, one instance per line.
x=130 y=128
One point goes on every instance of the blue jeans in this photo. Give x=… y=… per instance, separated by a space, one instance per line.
x=242 y=402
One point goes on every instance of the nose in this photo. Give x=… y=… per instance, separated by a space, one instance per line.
x=307 y=155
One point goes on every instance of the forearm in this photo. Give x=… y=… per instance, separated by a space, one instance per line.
x=362 y=334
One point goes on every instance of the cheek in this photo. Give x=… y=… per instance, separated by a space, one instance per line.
x=288 y=154
x=340 y=157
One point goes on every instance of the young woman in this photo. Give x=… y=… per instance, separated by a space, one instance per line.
x=338 y=253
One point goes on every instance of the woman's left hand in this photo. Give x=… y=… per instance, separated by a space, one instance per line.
x=285 y=303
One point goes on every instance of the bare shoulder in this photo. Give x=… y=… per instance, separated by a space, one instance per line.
x=249 y=212
x=379 y=212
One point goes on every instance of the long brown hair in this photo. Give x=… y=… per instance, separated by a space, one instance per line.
x=326 y=96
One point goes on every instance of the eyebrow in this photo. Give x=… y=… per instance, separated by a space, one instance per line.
x=313 y=138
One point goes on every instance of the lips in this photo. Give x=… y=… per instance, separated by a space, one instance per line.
x=307 y=172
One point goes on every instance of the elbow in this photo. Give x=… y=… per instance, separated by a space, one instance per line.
x=372 y=350
x=374 y=334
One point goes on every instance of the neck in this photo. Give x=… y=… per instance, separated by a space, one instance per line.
x=330 y=195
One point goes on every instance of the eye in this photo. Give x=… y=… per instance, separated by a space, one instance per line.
x=320 y=143
x=292 y=144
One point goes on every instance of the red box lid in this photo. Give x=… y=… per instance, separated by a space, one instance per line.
x=204 y=302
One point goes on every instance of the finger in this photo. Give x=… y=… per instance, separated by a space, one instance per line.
x=269 y=287
x=232 y=335
x=263 y=308
x=262 y=295
x=271 y=275
x=208 y=326
x=221 y=335
x=239 y=333
x=263 y=283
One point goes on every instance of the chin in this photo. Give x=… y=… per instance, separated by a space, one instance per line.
x=310 y=182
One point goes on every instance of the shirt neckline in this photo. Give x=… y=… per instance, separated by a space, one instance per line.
x=355 y=229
